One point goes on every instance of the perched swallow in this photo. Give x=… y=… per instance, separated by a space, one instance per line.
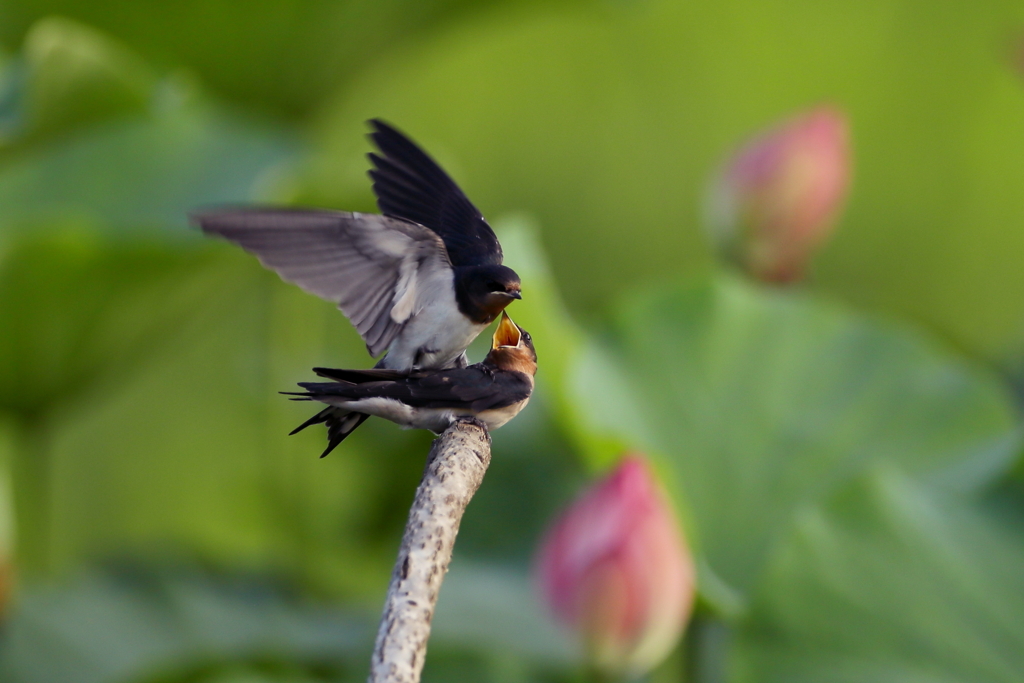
x=420 y=282
x=493 y=391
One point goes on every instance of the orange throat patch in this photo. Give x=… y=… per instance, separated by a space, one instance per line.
x=513 y=360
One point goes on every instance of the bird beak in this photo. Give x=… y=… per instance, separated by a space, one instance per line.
x=516 y=294
x=507 y=334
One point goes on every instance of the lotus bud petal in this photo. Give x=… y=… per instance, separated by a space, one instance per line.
x=616 y=570
x=777 y=199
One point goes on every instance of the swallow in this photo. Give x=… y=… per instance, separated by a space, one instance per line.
x=420 y=281
x=493 y=391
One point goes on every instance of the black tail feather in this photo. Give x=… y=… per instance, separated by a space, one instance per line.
x=360 y=376
x=315 y=389
x=322 y=416
x=340 y=423
x=338 y=429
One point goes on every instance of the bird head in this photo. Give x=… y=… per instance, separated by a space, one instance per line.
x=488 y=290
x=512 y=348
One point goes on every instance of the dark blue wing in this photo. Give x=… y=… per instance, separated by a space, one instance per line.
x=410 y=185
x=475 y=388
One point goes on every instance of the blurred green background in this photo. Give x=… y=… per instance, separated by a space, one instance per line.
x=845 y=455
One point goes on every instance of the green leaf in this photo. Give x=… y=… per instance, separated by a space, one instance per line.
x=121 y=626
x=81 y=315
x=884 y=582
x=496 y=609
x=142 y=174
x=75 y=308
x=75 y=75
x=541 y=310
x=561 y=344
x=283 y=57
x=98 y=271
x=134 y=623
x=764 y=401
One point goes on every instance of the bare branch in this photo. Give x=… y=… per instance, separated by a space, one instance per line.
x=455 y=469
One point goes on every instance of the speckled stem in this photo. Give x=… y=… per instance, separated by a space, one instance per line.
x=455 y=469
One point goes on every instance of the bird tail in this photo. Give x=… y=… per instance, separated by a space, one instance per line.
x=317 y=391
x=340 y=423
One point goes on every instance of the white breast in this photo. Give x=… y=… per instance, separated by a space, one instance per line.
x=399 y=413
x=435 y=335
x=435 y=419
x=499 y=416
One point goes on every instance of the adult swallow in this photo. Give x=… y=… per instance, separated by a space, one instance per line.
x=493 y=391
x=420 y=282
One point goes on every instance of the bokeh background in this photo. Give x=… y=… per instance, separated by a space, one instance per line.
x=844 y=454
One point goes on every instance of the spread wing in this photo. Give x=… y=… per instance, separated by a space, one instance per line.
x=410 y=185
x=380 y=271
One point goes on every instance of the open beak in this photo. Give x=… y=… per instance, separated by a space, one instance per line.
x=507 y=334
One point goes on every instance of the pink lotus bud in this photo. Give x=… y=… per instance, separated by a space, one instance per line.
x=776 y=200
x=615 y=568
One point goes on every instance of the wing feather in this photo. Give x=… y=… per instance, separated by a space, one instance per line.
x=411 y=185
x=473 y=387
x=371 y=266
